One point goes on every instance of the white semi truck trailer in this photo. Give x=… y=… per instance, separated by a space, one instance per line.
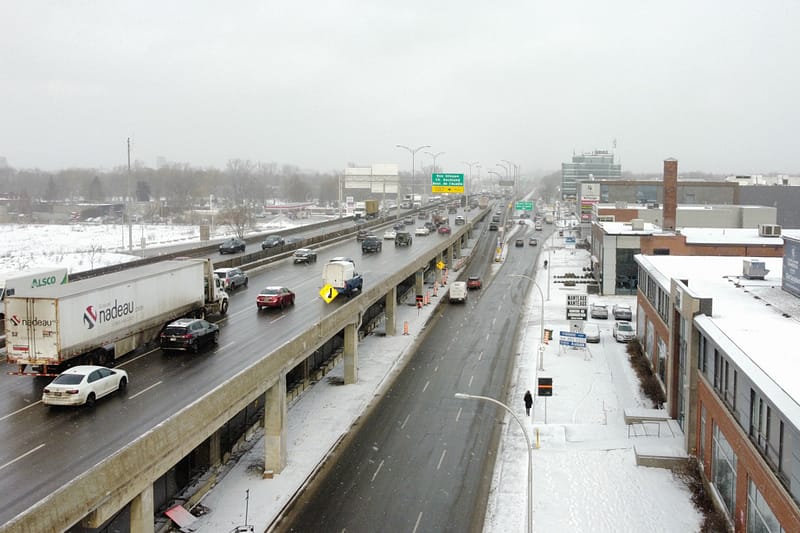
x=99 y=319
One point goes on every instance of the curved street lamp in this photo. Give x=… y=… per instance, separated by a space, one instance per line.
x=541 y=318
x=413 y=152
x=462 y=396
x=434 y=156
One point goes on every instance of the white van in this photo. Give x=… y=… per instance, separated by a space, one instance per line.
x=458 y=292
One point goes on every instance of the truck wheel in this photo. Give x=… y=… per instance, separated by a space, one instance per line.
x=90 y=400
x=224 y=307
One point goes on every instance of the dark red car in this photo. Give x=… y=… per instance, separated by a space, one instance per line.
x=274 y=297
x=473 y=282
x=444 y=230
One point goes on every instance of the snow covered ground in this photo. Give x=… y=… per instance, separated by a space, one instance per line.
x=585 y=476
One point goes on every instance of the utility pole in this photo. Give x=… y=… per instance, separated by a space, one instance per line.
x=127 y=201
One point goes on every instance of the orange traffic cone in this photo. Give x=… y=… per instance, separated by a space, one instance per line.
x=405 y=327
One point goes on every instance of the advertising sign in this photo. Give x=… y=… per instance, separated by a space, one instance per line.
x=570 y=338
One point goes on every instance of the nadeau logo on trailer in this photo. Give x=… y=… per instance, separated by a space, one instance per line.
x=93 y=316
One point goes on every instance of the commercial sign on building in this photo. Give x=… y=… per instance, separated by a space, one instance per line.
x=791 y=266
x=577 y=313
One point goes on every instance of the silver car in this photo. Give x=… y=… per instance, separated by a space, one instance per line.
x=622 y=312
x=599 y=311
x=623 y=331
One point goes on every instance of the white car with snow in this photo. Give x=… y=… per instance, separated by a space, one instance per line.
x=422 y=230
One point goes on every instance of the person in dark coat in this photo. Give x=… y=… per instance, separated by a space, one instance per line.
x=528 y=403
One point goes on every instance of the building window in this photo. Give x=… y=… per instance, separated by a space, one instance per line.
x=723 y=470
x=717 y=364
x=760 y=518
x=703 y=359
x=660 y=251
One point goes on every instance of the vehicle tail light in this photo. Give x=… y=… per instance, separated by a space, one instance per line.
x=71 y=391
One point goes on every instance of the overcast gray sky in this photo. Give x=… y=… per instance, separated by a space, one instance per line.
x=319 y=84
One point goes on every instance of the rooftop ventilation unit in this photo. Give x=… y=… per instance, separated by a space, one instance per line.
x=637 y=224
x=754 y=269
x=769 y=230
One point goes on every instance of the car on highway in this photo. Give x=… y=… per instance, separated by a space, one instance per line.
x=444 y=230
x=403 y=238
x=232 y=277
x=272 y=241
x=622 y=312
x=83 y=385
x=232 y=245
x=371 y=244
x=592 y=332
x=623 y=331
x=361 y=235
x=538 y=226
x=274 y=296
x=399 y=226
x=389 y=234
x=474 y=282
x=422 y=230
x=304 y=255
x=408 y=221
x=598 y=311
x=492 y=227
x=519 y=243
x=460 y=220
x=533 y=241
x=189 y=334
x=342 y=258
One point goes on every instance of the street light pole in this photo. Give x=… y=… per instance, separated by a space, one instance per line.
x=469 y=182
x=413 y=152
x=434 y=156
x=541 y=318
x=463 y=396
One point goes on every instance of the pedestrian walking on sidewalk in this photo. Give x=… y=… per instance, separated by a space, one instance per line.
x=528 y=403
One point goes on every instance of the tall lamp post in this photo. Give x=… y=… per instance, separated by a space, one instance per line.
x=434 y=156
x=541 y=318
x=469 y=183
x=413 y=152
x=462 y=396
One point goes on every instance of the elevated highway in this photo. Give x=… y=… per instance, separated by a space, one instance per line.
x=63 y=468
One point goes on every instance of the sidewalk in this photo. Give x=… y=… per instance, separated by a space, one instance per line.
x=585 y=476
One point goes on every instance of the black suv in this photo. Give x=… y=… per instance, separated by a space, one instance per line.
x=402 y=238
x=189 y=334
x=370 y=244
x=272 y=241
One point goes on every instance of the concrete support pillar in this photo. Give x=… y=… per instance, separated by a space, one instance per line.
x=215 y=448
x=419 y=283
x=391 y=311
x=457 y=248
x=275 y=427
x=142 y=517
x=350 y=354
x=306 y=366
x=449 y=257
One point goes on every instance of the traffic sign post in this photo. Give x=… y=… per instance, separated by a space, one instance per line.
x=447 y=183
x=545 y=388
x=523 y=206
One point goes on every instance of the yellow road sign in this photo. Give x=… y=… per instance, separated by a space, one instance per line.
x=328 y=293
x=440 y=265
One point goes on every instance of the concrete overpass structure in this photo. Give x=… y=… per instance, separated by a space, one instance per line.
x=127 y=476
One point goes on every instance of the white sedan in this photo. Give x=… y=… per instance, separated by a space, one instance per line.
x=389 y=234
x=422 y=230
x=83 y=385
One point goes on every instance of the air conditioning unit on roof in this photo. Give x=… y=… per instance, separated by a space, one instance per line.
x=769 y=230
x=754 y=269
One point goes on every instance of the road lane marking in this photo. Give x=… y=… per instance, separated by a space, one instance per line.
x=470 y=382
x=129 y=361
x=436 y=368
x=416 y=525
x=9 y=415
x=11 y=462
x=279 y=318
x=156 y=384
x=426 y=386
x=405 y=421
x=458 y=414
x=376 y=472
x=444 y=452
x=480 y=355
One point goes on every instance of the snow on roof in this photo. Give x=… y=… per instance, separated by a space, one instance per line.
x=625 y=228
x=752 y=320
x=748 y=236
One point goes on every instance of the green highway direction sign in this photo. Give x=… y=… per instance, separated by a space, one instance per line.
x=523 y=206
x=447 y=183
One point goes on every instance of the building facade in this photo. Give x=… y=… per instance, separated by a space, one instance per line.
x=596 y=165
x=709 y=326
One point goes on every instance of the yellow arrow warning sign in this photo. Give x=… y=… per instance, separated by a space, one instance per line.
x=328 y=293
